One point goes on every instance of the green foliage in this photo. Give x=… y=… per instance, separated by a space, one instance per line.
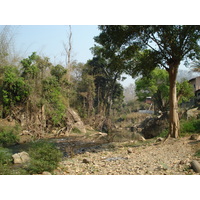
x=190 y=126
x=44 y=157
x=8 y=135
x=197 y=154
x=54 y=99
x=186 y=128
x=144 y=47
x=14 y=89
x=30 y=67
x=156 y=85
x=58 y=71
x=106 y=72
x=9 y=170
x=184 y=91
x=5 y=156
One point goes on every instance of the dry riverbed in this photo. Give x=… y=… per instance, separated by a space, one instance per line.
x=129 y=158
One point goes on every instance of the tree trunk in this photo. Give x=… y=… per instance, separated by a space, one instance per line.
x=173 y=115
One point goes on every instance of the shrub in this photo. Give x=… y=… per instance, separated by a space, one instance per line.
x=191 y=126
x=8 y=135
x=5 y=156
x=44 y=157
x=14 y=89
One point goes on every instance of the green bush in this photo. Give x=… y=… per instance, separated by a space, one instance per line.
x=5 y=156
x=8 y=136
x=44 y=157
x=190 y=126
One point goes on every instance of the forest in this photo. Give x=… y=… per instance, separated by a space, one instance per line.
x=87 y=102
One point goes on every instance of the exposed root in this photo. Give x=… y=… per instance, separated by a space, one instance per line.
x=168 y=136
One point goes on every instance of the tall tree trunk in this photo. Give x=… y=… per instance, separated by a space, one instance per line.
x=173 y=115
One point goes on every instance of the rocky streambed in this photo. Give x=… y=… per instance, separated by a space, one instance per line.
x=150 y=157
x=171 y=158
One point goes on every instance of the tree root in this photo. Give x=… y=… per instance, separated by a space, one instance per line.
x=165 y=140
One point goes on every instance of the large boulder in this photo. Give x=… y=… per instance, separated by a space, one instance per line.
x=20 y=158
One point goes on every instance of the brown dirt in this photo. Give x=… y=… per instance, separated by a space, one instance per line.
x=129 y=158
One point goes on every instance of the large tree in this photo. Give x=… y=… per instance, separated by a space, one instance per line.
x=142 y=48
x=106 y=72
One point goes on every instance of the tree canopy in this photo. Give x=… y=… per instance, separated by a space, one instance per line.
x=144 y=47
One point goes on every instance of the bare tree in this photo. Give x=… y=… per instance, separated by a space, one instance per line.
x=8 y=55
x=68 y=51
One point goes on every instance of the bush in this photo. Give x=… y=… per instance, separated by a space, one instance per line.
x=191 y=126
x=44 y=157
x=5 y=156
x=8 y=136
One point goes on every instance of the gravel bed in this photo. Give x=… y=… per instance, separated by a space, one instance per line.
x=170 y=158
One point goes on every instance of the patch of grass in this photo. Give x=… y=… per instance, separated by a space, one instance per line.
x=197 y=154
x=138 y=143
x=8 y=170
x=44 y=157
x=76 y=130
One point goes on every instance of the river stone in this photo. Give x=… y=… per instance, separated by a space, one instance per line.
x=195 y=166
x=22 y=157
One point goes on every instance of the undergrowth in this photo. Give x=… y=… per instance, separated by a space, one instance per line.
x=187 y=127
x=44 y=157
x=9 y=135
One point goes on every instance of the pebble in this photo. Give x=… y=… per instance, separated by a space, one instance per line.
x=129 y=151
